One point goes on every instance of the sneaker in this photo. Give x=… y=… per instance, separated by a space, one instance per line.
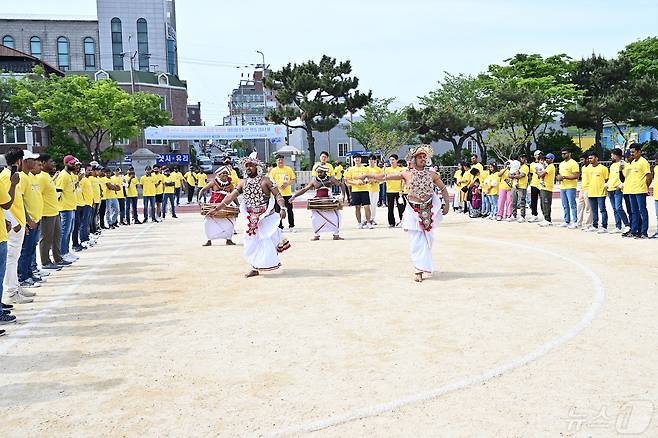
x=591 y=229
x=602 y=231
x=654 y=235
x=7 y=306
x=41 y=273
x=78 y=248
x=24 y=291
x=572 y=226
x=564 y=225
x=545 y=223
x=292 y=230
x=627 y=229
x=17 y=298
x=359 y=227
x=38 y=279
x=373 y=222
x=2 y=332
x=534 y=219
x=29 y=283
x=510 y=219
x=521 y=219
x=51 y=267
x=642 y=236
x=627 y=234
x=370 y=227
x=499 y=219
x=64 y=263
x=70 y=257
x=616 y=231
x=7 y=319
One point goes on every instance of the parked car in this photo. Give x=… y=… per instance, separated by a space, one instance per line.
x=205 y=164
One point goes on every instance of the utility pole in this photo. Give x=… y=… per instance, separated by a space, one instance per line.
x=267 y=141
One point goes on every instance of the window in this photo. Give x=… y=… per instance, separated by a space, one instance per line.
x=8 y=41
x=171 y=56
x=343 y=149
x=158 y=142
x=35 y=47
x=163 y=103
x=143 y=44
x=63 y=53
x=90 y=53
x=12 y=135
x=117 y=44
x=472 y=146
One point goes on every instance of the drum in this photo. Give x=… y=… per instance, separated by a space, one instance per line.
x=223 y=213
x=324 y=204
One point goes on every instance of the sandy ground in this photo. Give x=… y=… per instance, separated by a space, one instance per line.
x=522 y=332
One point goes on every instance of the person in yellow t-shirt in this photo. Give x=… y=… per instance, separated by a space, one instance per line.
x=655 y=194
x=67 y=184
x=504 y=194
x=475 y=164
x=394 y=198
x=169 y=193
x=615 y=194
x=86 y=210
x=51 y=227
x=546 y=181
x=373 y=187
x=95 y=186
x=103 y=179
x=111 y=203
x=457 y=176
x=596 y=192
x=534 y=185
x=638 y=178
x=490 y=190
x=465 y=185
x=189 y=180
x=159 y=190
x=583 y=206
x=131 y=182
x=360 y=196
x=33 y=202
x=338 y=174
x=178 y=179
x=119 y=182
x=520 y=189
x=147 y=181
x=284 y=177
x=568 y=174
x=12 y=187
x=324 y=159
x=201 y=181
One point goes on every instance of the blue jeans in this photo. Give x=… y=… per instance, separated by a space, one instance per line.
x=77 y=221
x=493 y=200
x=616 y=198
x=598 y=204
x=67 y=218
x=171 y=198
x=131 y=204
x=639 y=214
x=568 y=198
x=177 y=191
x=27 y=252
x=112 y=212
x=122 y=209
x=87 y=211
x=149 y=204
x=486 y=205
x=3 y=263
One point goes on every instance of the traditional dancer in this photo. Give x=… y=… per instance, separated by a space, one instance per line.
x=425 y=209
x=327 y=218
x=263 y=239
x=220 y=187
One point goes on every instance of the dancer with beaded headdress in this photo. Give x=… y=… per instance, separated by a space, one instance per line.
x=263 y=240
x=219 y=227
x=424 y=211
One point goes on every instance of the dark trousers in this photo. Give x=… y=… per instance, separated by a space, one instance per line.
x=51 y=237
x=93 y=224
x=101 y=212
x=546 y=198
x=131 y=206
x=392 y=202
x=291 y=214
x=79 y=214
x=169 y=198
x=639 y=214
x=534 y=198
x=177 y=191
x=122 y=209
x=85 y=223
x=27 y=251
x=190 y=194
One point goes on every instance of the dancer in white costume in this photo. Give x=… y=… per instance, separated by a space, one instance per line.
x=425 y=209
x=220 y=187
x=263 y=240
x=328 y=218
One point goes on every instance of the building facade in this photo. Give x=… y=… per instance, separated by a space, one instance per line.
x=194 y=114
x=248 y=104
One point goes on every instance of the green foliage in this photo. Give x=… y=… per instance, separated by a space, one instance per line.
x=16 y=102
x=505 y=143
x=552 y=142
x=643 y=57
x=445 y=159
x=113 y=153
x=649 y=150
x=314 y=96
x=63 y=144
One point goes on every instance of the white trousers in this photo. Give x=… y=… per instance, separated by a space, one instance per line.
x=374 y=199
x=14 y=246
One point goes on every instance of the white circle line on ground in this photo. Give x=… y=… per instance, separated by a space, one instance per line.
x=378 y=409
x=24 y=331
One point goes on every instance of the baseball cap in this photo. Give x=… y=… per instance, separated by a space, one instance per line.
x=550 y=156
x=537 y=152
x=29 y=155
x=70 y=159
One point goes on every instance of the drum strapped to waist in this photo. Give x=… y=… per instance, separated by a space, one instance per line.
x=222 y=213
x=324 y=204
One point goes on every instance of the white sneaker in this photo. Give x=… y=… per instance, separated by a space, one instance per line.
x=572 y=226
x=602 y=231
x=521 y=219
x=292 y=230
x=27 y=293
x=42 y=273
x=70 y=257
x=373 y=222
x=627 y=229
x=616 y=231
x=544 y=223
x=370 y=227
x=17 y=298
x=564 y=225
x=591 y=229
x=510 y=219
x=359 y=227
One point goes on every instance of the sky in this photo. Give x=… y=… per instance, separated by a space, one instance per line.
x=397 y=48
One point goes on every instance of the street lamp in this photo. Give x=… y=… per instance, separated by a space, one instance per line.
x=267 y=142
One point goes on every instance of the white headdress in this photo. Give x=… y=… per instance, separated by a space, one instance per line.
x=252 y=158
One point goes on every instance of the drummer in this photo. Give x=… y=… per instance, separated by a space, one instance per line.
x=326 y=220
x=219 y=187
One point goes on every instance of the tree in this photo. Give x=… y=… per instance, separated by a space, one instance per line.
x=314 y=96
x=641 y=92
x=381 y=128
x=63 y=144
x=529 y=92
x=553 y=141
x=16 y=101
x=505 y=143
x=451 y=113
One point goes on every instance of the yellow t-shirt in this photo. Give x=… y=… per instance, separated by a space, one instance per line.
x=235 y=180
x=613 y=178
x=393 y=186
x=655 y=183
x=355 y=172
x=597 y=177
x=190 y=178
x=159 y=189
x=374 y=186
x=479 y=167
x=329 y=166
x=635 y=173
x=503 y=181
x=458 y=177
x=523 y=182
x=483 y=176
x=102 y=184
x=49 y=195
x=201 y=179
x=33 y=198
x=66 y=182
x=338 y=172
x=131 y=187
x=96 y=187
x=4 y=198
x=109 y=193
x=584 y=183
x=118 y=181
x=568 y=168
x=169 y=189
x=79 y=199
x=534 y=182
x=467 y=179
x=549 y=178
x=492 y=181
x=87 y=191
x=178 y=177
x=148 y=185
x=282 y=175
